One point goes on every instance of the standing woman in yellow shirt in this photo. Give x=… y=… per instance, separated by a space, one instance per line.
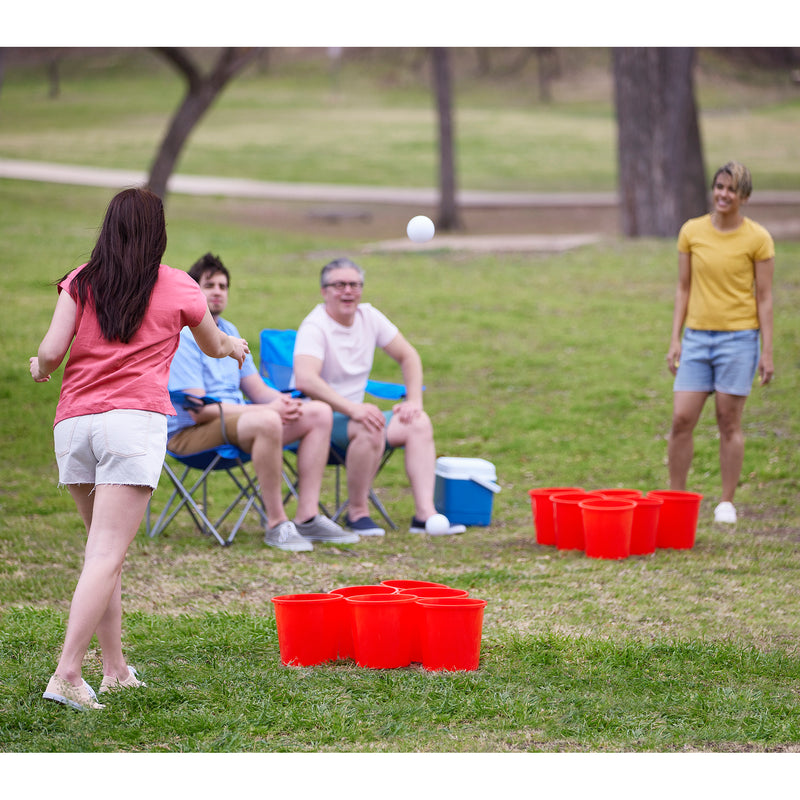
x=721 y=327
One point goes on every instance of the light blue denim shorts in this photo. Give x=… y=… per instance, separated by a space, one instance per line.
x=339 y=432
x=718 y=361
x=122 y=447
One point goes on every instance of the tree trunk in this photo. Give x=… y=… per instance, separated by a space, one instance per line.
x=661 y=171
x=201 y=93
x=448 y=209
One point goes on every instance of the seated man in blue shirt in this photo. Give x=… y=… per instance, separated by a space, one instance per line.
x=260 y=427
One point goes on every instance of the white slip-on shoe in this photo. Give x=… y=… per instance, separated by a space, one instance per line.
x=725 y=512
x=111 y=683
x=80 y=697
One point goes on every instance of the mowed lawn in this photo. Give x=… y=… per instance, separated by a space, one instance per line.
x=551 y=366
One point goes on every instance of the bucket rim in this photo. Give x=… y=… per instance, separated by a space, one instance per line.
x=675 y=494
x=369 y=588
x=308 y=597
x=572 y=497
x=423 y=589
x=548 y=490
x=451 y=602
x=649 y=501
x=410 y=584
x=620 y=504
x=369 y=599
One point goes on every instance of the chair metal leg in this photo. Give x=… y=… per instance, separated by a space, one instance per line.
x=247 y=491
x=341 y=505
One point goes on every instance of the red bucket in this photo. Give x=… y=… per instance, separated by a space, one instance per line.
x=645 y=525
x=436 y=591
x=451 y=632
x=568 y=520
x=400 y=585
x=346 y=635
x=615 y=494
x=607 y=527
x=542 y=510
x=677 y=520
x=417 y=615
x=309 y=627
x=382 y=629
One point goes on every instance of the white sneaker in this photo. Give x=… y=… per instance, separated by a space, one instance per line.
x=284 y=536
x=725 y=512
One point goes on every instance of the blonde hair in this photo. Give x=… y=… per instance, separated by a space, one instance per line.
x=740 y=175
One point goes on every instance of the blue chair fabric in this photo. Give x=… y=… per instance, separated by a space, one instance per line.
x=225 y=458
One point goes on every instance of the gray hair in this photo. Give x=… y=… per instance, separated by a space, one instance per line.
x=338 y=263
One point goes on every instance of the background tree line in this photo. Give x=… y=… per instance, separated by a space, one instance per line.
x=662 y=179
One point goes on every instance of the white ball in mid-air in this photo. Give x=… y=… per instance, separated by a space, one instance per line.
x=420 y=229
x=438 y=523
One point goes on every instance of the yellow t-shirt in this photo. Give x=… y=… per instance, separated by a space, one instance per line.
x=722 y=293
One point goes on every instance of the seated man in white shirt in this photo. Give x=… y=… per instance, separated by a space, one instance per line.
x=260 y=428
x=333 y=356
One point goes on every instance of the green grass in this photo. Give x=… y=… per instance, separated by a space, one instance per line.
x=551 y=367
x=540 y=692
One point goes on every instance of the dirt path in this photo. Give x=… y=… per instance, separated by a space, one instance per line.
x=378 y=215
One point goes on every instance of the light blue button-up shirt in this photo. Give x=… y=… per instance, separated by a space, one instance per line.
x=192 y=369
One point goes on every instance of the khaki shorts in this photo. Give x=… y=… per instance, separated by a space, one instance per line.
x=197 y=438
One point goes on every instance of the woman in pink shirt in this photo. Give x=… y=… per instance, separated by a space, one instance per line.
x=120 y=316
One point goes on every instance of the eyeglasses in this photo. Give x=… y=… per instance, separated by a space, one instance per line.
x=340 y=286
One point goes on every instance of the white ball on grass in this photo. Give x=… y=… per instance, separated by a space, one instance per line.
x=420 y=229
x=438 y=523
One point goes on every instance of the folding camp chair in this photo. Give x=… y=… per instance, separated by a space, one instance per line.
x=276 y=361
x=227 y=458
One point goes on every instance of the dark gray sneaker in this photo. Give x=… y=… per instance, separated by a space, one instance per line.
x=322 y=529
x=284 y=536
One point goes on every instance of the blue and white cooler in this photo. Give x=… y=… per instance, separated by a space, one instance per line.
x=465 y=490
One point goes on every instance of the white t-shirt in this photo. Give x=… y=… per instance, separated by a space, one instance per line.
x=346 y=353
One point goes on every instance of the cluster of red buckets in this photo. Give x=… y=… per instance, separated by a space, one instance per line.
x=382 y=626
x=614 y=523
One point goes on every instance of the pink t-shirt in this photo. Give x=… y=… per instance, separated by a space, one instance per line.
x=102 y=376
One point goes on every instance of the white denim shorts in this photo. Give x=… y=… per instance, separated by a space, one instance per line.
x=122 y=447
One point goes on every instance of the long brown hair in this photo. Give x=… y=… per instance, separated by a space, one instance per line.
x=123 y=269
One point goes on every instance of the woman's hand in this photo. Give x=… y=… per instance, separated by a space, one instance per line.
x=765 y=369
x=674 y=357
x=240 y=349
x=36 y=373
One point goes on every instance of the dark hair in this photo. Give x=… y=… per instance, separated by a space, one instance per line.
x=208 y=263
x=123 y=269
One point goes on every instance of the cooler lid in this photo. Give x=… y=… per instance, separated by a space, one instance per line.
x=465 y=468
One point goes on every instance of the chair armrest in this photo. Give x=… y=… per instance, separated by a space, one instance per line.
x=387 y=390
x=192 y=402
